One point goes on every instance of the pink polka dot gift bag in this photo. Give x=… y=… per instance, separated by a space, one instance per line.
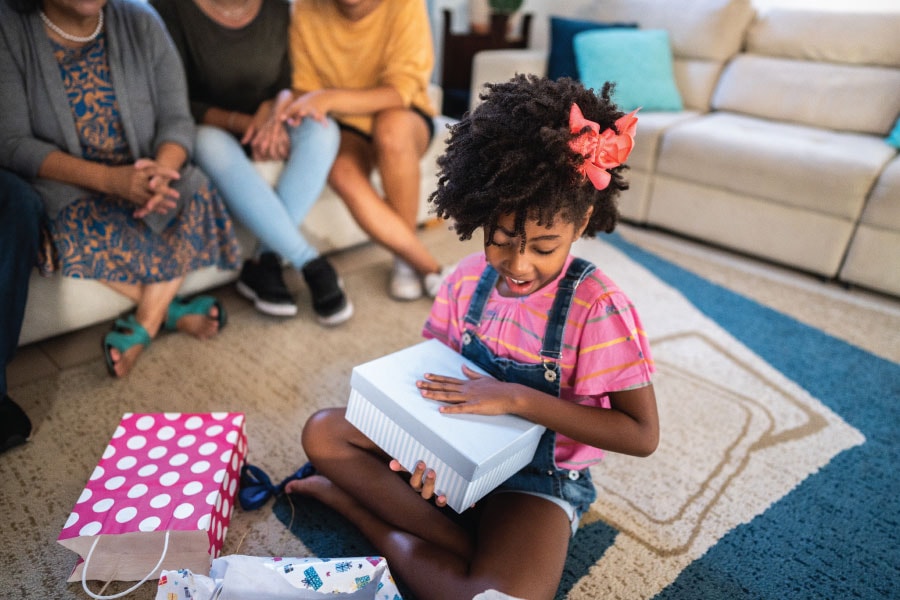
x=161 y=497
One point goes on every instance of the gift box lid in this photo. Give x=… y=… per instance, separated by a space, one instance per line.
x=471 y=444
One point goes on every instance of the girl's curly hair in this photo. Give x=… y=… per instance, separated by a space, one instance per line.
x=511 y=155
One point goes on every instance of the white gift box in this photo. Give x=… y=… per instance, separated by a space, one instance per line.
x=471 y=454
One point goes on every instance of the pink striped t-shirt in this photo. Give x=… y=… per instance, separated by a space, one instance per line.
x=605 y=348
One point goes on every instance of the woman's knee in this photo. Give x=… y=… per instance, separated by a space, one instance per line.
x=398 y=133
x=323 y=137
x=214 y=146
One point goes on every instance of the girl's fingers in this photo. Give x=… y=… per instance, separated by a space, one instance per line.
x=470 y=373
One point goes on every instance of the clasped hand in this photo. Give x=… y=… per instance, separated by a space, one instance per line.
x=146 y=184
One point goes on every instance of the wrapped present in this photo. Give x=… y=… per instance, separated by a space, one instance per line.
x=162 y=494
x=471 y=454
x=238 y=577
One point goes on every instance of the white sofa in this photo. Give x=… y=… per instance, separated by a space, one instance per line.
x=57 y=305
x=780 y=152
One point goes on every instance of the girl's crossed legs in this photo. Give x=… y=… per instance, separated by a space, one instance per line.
x=518 y=545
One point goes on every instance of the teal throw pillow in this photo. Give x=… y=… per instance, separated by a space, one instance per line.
x=894 y=138
x=561 y=59
x=638 y=61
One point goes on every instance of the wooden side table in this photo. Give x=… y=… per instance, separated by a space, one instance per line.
x=458 y=51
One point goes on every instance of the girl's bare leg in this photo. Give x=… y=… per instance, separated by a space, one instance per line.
x=357 y=466
x=520 y=547
x=382 y=222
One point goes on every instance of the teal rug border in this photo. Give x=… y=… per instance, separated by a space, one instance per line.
x=836 y=534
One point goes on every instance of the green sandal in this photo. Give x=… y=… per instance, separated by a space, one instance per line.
x=198 y=305
x=126 y=334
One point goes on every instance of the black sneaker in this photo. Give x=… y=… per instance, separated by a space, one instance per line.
x=15 y=426
x=263 y=282
x=328 y=299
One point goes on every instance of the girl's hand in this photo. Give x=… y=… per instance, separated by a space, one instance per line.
x=314 y=105
x=146 y=184
x=477 y=394
x=422 y=480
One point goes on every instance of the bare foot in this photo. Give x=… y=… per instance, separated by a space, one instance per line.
x=322 y=489
x=201 y=327
x=315 y=486
x=123 y=363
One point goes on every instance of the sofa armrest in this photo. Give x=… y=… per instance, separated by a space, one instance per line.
x=491 y=66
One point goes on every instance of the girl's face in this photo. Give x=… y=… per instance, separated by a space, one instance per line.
x=525 y=271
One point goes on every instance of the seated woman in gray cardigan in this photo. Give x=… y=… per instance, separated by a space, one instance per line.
x=93 y=112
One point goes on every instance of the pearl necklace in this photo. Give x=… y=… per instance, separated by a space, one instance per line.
x=68 y=36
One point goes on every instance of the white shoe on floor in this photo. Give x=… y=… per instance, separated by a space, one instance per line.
x=433 y=281
x=405 y=283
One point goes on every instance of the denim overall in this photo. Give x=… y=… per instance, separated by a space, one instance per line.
x=541 y=475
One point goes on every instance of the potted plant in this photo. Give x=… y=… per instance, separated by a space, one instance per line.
x=504 y=7
x=492 y=16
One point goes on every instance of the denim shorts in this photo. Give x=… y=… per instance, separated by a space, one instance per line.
x=573 y=491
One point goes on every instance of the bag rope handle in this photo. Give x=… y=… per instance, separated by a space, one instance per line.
x=129 y=590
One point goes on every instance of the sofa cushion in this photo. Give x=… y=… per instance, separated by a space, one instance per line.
x=639 y=62
x=561 y=60
x=705 y=32
x=650 y=129
x=706 y=29
x=820 y=94
x=871 y=259
x=795 y=165
x=882 y=207
x=865 y=38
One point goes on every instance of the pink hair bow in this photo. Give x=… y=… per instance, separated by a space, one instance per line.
x=601 y=150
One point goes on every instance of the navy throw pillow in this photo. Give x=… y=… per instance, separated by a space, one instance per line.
x=561 y=61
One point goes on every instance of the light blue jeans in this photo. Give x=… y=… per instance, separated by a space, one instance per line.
x=273 y=215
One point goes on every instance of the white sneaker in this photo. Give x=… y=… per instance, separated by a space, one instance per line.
x=433 y=281
x=405 y=282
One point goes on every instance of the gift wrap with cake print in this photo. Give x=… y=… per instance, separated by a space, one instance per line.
x=470 y=454
x=238 y=577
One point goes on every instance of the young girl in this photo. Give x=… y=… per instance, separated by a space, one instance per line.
x=534 y=167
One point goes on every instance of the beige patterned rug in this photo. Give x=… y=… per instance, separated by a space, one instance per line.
x=737 y=434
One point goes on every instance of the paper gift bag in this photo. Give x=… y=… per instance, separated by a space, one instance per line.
x=237 y=577
x=470 y=454
x=162 y=493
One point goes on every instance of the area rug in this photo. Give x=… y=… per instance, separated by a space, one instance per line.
x=775 y=477
x=775 y=474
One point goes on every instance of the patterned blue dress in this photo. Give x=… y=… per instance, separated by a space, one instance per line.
x=97 y=236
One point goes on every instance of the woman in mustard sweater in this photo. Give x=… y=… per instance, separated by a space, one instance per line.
x=367 y=63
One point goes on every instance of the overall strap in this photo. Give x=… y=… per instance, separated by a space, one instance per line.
x=482 y=292
x=578 y=270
